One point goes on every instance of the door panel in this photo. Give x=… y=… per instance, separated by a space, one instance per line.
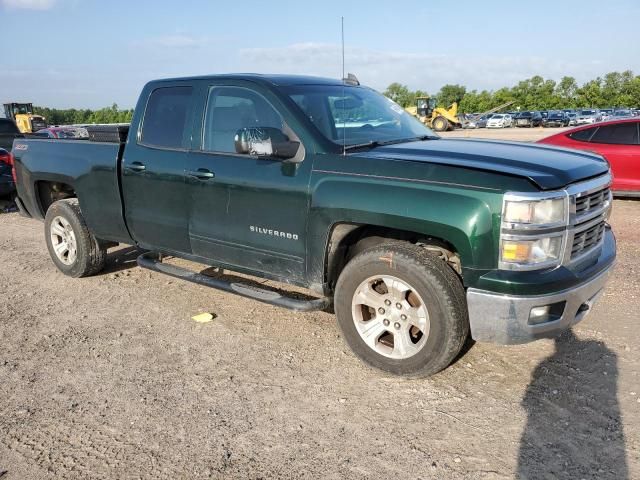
x=252 y=214
x=156 y=198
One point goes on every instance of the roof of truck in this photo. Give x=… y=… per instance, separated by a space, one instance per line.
x=274 y=79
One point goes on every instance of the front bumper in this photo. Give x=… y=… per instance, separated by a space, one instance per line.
x=505 y=319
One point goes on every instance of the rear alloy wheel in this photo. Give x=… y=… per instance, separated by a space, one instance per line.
x=63 y=240
x=401 y=309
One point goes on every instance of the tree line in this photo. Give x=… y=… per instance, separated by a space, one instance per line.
x=615 y=89
x=71 y=116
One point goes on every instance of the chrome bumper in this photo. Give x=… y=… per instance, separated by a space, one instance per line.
x=504 y=319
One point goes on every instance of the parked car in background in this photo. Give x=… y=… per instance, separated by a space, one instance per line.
x=500 y=120
x=606 y=113
x=573 y=119
x=63 y=132
x=544 y=114
x=617 y=141
x=478 y=121
x=622 y=113
x=529 y=119
x=556 y=119
x=8 y=132
x=7 y=179
x=588 y=116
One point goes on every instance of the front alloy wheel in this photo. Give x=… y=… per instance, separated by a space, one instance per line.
x=390 y=317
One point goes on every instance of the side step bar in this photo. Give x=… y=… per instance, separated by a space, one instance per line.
x=152 y=261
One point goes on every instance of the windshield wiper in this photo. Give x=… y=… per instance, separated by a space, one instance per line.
x=356 y=146
x=379 y=143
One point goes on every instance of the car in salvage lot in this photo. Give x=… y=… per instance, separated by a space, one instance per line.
x=529 y=119
x=556 y=119
x=8 y=133
x=7 y=179
x=616 y=140
x=500 y=120
x=588 y=116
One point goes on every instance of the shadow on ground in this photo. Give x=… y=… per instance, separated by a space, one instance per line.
x=122 y=259
x=574 y=428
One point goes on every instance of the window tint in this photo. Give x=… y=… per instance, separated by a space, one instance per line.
x=583 y=135
x=621 y=134
x=7 y=126
x=166 y=116
x=230 y=109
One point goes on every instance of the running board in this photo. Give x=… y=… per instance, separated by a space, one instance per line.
x=152 y=261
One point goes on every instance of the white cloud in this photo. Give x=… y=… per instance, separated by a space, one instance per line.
x=427 y=71
x=28 y=4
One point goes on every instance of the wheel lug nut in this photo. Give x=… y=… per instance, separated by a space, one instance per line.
x=399 y=306
x=403 y=317
x=386 y=322
x=397 y=326
x=381 y=311
x=387 y=302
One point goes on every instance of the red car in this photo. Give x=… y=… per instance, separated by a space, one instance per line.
x=618 y=141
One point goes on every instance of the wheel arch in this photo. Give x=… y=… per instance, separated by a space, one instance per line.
x=346 y=239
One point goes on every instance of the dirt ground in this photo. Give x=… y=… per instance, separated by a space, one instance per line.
x=109 y=377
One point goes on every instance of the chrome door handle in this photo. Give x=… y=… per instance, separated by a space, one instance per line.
x=137 y=167
x=201 y=174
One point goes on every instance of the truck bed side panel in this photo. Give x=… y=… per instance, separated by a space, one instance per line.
x=91 y=168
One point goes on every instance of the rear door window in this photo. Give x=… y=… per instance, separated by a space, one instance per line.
x=620 y=134
x=165 y=118
x=583 y=135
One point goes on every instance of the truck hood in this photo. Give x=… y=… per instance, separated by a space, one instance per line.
x=548 y=167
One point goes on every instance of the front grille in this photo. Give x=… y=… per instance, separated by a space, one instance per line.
x=587 y=239
x=592 y=202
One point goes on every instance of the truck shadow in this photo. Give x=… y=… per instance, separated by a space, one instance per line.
x=574 y=427
x=122 y=259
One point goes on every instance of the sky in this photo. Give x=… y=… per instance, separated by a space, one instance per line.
x=92 y=53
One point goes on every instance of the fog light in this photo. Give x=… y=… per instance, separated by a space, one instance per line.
x=537 y=313
x=546 y=313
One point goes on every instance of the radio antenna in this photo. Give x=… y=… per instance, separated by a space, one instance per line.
x=344 y=119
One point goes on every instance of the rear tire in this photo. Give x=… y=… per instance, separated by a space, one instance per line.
x=75 y=251
x=401 y=309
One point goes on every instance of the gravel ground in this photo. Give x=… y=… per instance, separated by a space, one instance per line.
x=109 y=377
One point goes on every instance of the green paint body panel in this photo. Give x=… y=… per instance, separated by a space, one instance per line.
x=446 y=189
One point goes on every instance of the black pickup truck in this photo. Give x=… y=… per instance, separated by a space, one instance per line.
x=418 y=241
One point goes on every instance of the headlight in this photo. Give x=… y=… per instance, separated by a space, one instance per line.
x=525 y=253
x=533 y=230
x=542 y=212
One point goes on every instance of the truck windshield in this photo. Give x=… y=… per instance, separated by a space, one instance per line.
x=355 y=115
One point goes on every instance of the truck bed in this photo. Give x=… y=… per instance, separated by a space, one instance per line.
x=91 y=169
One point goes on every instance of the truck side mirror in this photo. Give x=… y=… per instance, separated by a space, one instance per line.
x=265 y=142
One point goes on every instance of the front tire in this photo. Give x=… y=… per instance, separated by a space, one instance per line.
x=440 y=124
x=402 y=309
x=75 y=251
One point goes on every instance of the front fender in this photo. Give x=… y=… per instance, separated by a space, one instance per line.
x=463 y=217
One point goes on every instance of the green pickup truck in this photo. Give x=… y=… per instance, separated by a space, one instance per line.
x=416 y=242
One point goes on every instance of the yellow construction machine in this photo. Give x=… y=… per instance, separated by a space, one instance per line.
x=438 y=118
x=26 y=120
